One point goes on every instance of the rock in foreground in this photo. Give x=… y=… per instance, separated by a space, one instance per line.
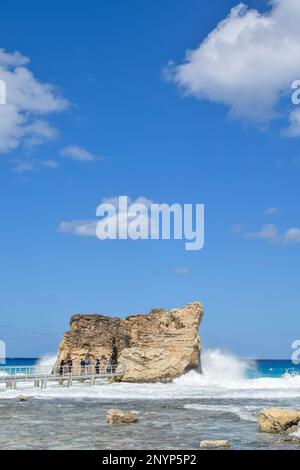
x=22 y=398
x=157 y=346
x=278 y=420
x=217 y=444
x=115 y=416
x=289 y=439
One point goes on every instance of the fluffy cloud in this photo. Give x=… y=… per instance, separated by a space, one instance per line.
x=272 y=234
x=27 y=101
x=248 y=62
x=267 y=232
x=22 y=167
x=78 y=153
x=292 y=235
x=293 y=130
x=87 y=228
x=82 y=228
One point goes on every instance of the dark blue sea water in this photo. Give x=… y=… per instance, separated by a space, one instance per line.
x=272 y=368
x=17 y=361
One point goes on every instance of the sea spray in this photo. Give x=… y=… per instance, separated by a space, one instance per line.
x=296 y=433
x=225 y=377
x=47 y=361
x=221 y=365
x=218 y=368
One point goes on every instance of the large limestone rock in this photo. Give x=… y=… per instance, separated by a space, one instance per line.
x=115 y=416
x=278 y=420
x=157 y=346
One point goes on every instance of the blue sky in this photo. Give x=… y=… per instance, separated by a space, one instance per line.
x=137 y=133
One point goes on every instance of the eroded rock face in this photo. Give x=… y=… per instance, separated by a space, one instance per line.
x=278 y=420
x=157 y=346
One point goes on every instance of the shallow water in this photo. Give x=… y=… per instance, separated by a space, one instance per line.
x=170 y=424
x=220 y=404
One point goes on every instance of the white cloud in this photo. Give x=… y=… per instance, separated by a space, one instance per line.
x=293 y=130
x=247 y=62
x=272 y=234
x=27 y=100
x=49 y=163
x=14 y=59
x=267 y=232
x=39 y=131
x=180 y=270
x=22 y=167
x=292 y=235
x=271 y=211
x=82 y=228
x=114 y=200
x=85 y=228
x=25 y=166
x=78 y=153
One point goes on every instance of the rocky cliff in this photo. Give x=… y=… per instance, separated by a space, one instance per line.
x=157 y=346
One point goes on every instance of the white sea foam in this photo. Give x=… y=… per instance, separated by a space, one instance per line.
x=246 y=413
x=224 y=377
x=296 y=433
x=220 y=365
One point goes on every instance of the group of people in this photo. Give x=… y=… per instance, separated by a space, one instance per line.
x=67 y=366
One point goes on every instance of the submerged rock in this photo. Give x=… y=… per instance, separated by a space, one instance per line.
x=289 y=439
x=278 y=420
x=216 y=444
x=158 y=346
x=115 y=416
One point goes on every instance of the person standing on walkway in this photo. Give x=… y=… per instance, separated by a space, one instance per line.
x=62 y=367
x=97 y=366
x=82 y=364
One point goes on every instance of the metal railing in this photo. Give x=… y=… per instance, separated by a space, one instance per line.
x=25 y=373
x=89 y=370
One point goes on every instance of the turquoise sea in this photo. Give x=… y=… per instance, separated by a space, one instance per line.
x=256 y=367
